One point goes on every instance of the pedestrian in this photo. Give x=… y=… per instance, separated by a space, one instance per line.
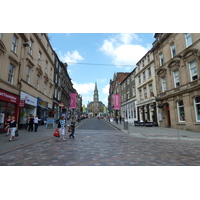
x=116 y=119
x=36 y=122
x=13 y=128
x=27 y=121
x=72 y=128
x=8 y=125
x=61 y=126
x=31 y=122
x=120 y=119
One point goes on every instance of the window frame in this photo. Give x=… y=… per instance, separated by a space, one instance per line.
x=179 y=111
x=163 y=80
x=14 y=43
x=195 y=109
x=161 y=58
x=28 y=77
x=187 y=37
x=175 y=77
x=173 y=50
x=11 y=74
x=190 y=69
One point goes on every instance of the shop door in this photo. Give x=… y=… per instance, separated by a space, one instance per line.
x=168 y=116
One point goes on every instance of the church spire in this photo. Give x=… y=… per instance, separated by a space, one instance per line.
x=96 y=95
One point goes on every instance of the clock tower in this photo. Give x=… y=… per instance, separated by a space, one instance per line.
x=96 y=95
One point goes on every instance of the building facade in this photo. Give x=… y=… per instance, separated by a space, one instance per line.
x=177 y=68
x=146 y=89
x=128 y=98
x=95 y=108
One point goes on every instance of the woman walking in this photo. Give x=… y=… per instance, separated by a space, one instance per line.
x=36 y=122
x=61 y=126
x=13 y=128
x=8 y=125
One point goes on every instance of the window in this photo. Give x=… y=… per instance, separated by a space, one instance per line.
x=14 y=43
x=39 y=58
x=161 y=59
x=144 y=76
x=37 y=82
x=173 y=50
x=148 y=58
x=193 y=71
x=140 y=92
x=30 y=47
x=51 y=72
x=139 y=78
x=164 y=87
x=181 y=112
x=46 y=67
x=145 y=93
x=188 y=39
x=28 y=70
x=45 y=88
x=0 y=35
x=151 y=90
x=11 y=74
x=176 y=78
x=143 y=63
x=149 y=71
x=197 y=108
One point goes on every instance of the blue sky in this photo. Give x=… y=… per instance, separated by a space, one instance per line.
x=95 y=57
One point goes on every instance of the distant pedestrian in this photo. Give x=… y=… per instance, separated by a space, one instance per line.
x=36 y=122
x=116 y=119
x=72 y=128
x=13 y=128
x=61 y=126
x=8 y=125
x=120 y=119
x=31 y=122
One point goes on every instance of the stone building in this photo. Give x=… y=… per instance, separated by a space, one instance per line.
x=146 y=89
x=177 y=68
x=95 y=107
x=115 y=88
x=27 y=68
x=128 y=98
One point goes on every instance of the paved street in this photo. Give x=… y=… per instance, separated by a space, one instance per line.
x=97 y=143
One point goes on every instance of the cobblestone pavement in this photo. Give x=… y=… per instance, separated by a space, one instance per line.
x=104 y=148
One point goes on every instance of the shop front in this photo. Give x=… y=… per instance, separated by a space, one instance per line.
x=9 y=105
x=28 y=109
x=42 y=109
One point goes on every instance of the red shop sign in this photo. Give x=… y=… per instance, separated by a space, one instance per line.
x=21 y=103
x=6 y=96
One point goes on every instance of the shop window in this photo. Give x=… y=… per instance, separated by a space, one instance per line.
x=181 y=112
x=197 y=108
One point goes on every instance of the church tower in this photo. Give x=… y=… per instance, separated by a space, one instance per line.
x=96 y=95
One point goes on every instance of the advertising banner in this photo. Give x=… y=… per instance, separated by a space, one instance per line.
x=72 y=100
x=116 y=102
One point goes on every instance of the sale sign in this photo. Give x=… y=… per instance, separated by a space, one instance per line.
x=116 y=102
x=72 y=100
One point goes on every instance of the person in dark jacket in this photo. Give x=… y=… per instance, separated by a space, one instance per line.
x=72 y=128
x=31 y=122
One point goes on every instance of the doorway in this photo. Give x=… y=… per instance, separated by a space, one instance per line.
x=168 y=116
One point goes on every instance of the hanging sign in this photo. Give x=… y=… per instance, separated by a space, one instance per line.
x=116 y=102
x=72 y=100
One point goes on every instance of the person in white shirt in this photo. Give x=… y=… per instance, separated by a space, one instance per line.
x=36 y=122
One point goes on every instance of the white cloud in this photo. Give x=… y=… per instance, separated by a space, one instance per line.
x=68 y=57
x=105 y=90
x=122 y=49
x=84 y=88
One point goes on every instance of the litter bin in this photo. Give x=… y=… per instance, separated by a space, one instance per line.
x=125 y=125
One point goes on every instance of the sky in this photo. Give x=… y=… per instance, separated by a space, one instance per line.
x=95 y=57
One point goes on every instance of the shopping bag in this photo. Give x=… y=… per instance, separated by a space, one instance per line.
x=69 y=129
x=56 y=133
x=16 y=133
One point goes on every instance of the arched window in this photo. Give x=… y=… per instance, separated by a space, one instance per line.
x=197 y=108
x=181 y=112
